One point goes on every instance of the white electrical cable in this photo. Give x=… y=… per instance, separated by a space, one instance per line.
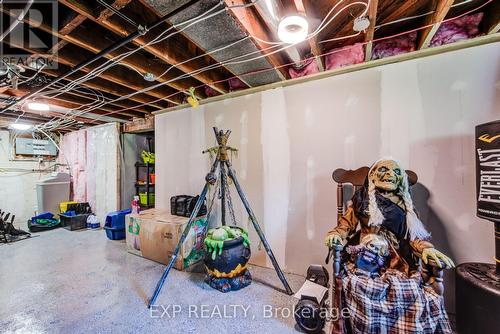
x=209 y=67
x=158 y=39
x=122 y=98
x=19 y=19
x=190 y=21
x=251 y=59
x=420 y=15
x=339 y=38
x=108 y=64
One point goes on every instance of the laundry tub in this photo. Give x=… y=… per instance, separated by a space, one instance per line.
x=51 y=191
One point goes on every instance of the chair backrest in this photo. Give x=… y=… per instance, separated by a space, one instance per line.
x=357 y=179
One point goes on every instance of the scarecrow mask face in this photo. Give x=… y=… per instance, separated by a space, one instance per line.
x=386 y=175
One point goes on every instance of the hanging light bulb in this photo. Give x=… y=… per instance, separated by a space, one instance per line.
x=20 y=126
x=293 y=29
x=38 y=106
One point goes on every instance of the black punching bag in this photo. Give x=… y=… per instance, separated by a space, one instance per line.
x=478 y=284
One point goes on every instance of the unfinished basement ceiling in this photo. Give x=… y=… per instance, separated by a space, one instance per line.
x=161 y=67
x=218 y=31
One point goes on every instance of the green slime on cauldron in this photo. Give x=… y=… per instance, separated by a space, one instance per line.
x=216 y=236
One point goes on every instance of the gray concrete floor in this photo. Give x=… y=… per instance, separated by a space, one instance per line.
x=81 y=282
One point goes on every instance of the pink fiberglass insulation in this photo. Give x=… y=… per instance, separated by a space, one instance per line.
x=310 y=67
x=464 y=27
x=209 y=91
x=394 y=46
x=345 y=56
x=236 y=84
x=73 y=153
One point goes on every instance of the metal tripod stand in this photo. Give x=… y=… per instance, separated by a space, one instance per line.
x=221 y=161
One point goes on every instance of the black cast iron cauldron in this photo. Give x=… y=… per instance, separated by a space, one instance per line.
x=231 y=262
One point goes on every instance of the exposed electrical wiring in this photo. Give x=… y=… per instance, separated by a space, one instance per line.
x=319 y=29
x=233 y=59
x=262 y=55
x=334 y=51
x=420 y=15
x=117 y=59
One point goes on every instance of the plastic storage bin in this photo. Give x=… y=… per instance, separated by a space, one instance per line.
x=63 y=206
x=115 y=224
x=114 y=233
x=144 y=199
x=117 y=219
x=51 y=191
x=77 y=221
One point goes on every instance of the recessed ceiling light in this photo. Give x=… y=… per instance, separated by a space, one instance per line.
x=293 y=29
x=38 y=106
x=20 y=126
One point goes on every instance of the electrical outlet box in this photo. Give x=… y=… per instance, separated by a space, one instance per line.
x=36 y=147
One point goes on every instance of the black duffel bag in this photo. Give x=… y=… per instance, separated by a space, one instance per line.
x=183 y=205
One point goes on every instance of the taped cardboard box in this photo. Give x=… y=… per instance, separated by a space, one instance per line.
x=154 y=234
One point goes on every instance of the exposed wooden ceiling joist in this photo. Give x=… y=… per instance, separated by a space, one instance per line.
x=99 y=84
x=175 y=56
x=433 y=22
x=113 y=76
x=370 y=32
x=93 y=39
x=250 y=24
x=87 y=27
x=161 y=50
x=65 y=101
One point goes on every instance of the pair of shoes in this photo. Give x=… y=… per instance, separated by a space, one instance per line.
x=7 y=227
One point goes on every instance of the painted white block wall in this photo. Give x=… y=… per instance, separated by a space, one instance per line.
x=422 y=112
x=17 y=190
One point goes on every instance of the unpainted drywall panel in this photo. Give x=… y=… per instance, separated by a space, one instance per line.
x=422 y=112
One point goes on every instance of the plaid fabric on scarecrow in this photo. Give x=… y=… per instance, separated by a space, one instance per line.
x=392 y=303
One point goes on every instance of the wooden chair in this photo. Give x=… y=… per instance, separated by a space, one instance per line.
x=432 y=275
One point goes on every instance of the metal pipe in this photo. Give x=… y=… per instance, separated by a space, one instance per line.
x=139 y=32
x=18 y=20
x=118 y=13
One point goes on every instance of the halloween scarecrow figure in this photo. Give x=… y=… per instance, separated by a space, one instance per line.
x=398 y=300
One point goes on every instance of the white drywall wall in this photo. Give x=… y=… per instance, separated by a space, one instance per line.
x=422 y=112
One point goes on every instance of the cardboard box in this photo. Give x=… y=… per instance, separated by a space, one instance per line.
x=154 y=234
